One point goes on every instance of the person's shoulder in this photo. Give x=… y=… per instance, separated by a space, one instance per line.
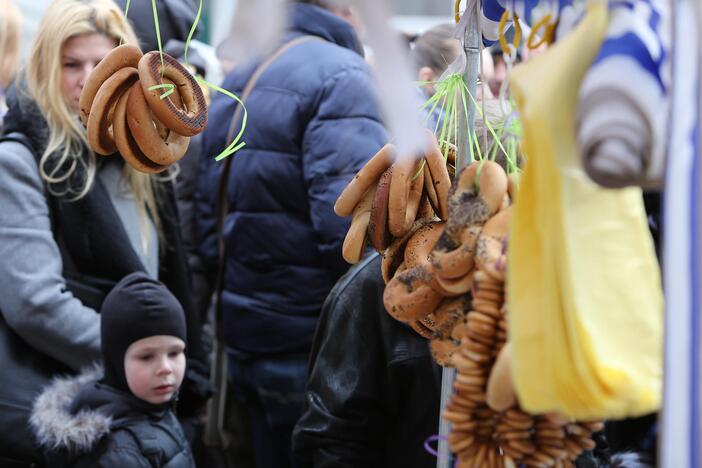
x=360 y=276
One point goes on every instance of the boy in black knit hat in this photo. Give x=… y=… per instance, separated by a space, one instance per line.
x=124 y=418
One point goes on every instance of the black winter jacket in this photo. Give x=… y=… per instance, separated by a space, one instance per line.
x=81 y=423
x=373 y=393
x=312 y=124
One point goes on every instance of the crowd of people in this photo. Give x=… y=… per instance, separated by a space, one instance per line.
x=114 y=284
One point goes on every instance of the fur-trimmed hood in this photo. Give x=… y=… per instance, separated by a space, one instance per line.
x=73 y=413
x=54 y=425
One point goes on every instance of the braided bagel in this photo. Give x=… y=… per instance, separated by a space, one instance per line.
x=420 y=245
x=477 y=194
x=187 y=122
x=453 y=258
x=146 y=134
x=393 y=256
x=369 y=174
x=408 y=297
x=127 y=146
x=99 y=135
x=120 y=57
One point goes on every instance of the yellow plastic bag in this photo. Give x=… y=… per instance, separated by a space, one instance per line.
x=584 y=285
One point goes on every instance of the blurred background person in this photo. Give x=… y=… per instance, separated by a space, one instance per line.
x=10 y=33
x=312 y=124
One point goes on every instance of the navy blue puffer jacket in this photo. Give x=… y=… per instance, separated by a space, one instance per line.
x=312 y=124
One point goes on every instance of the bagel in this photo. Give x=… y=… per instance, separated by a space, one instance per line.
x=357 y=236
x=99 y=134
x=367 y=176
x=406 y=188
x=453 y=258
x=378 y=231
x=188 y=121
x=477 y=194
x=394 y=254
x=446 y=316
x=146 y=133
x=453 y=286
x=408 y=297
x=123 y=56
x=422 y=329
x=441 y=181
x=421 y=243
x=127 y=146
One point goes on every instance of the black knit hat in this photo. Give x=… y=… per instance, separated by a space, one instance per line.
x=137 y=307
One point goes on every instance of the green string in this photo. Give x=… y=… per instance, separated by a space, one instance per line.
x=158 y=36
x=192 y=32
x=169 y=86
x=236 y=144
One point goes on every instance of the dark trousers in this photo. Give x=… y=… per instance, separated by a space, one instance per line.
x=272 y=391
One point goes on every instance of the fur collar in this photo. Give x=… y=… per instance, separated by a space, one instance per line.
x=55 y=428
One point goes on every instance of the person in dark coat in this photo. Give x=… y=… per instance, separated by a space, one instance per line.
x=313 y=123
x=373 y=393
x=124 y=418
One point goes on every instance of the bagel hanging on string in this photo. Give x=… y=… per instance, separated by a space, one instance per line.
x=99 y=131
x=127 y=146
x=120 y=57
x=146 y=132
x=189 y=120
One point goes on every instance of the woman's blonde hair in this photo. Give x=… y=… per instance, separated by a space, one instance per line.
x=10 y=33
x=67 y=152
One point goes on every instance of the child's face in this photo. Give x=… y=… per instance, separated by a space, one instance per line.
x=154 y=367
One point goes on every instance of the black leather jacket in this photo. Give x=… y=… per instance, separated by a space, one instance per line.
x=373 y=393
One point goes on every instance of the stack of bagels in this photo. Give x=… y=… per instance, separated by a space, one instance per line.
x=122 y=108
x=444 y=264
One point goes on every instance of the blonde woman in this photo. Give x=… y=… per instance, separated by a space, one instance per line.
x=10 y=29
x=72 y=225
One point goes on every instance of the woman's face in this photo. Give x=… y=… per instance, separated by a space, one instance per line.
x=79 y=57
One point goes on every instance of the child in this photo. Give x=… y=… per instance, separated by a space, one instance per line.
x=125 y=418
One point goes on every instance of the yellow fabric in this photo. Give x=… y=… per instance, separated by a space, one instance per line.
x=584 y=287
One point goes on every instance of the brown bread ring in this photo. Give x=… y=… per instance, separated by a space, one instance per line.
x=421 y=243
x=126 y=144
x=441 y=182
x=357 y=236
x=422 y=329
x=378 y=231
x=485 y=180
x=188 y=122
x=500 y=388
x=490 y=255
x=367 y=176
x=164 y=131
x=453 y=257
x=454 y=286
x=394 y=254
x=442 y=351
x=146 y=134
x=98 y=131
x=408 y=297
x=405 y=195
x=446 y=316
x=124 y=56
